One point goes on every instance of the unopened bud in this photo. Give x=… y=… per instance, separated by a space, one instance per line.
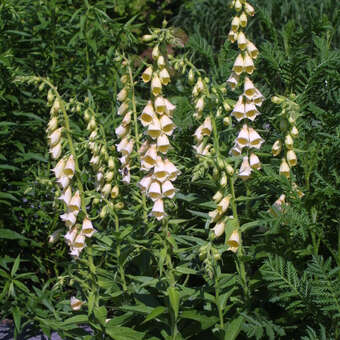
x=119 y=205
x=147 y=37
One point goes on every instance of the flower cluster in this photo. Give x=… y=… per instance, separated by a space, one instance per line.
x=64 y=172
x=125 y=146
x=248 y=102
x=102 y=164
x=156 y=117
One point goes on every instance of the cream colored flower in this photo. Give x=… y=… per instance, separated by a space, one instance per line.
x=218 y=196
x=168 y=189
x=276 y=148
x=55 y=151
x=249 y=88
x=167 y=125
x=252 y=50
x=219 y=228
x=55 y=136
x=284 y=168
x=160 y=171
x=255 y=162
x=55 y=236
x=243 y=19
x=233 y=79
x=289 y=141
x=52 y=124
x=249 y=9
x=164 y=76
x=147 y=114
x=145 y=183
x=291 y=158
x=74 y=205
x=243 y=136
x=255 y=139
x=87 y=228
x=251 y=111
x=245 y=169
x=156 y=86
x=122 y=108
x=69 y=219
x=238 y=65
x=278 y=206
x=163 y=143
x=154 y=129
x=223 y=205
x=64 y=181
x=235 y=24
x=147 y=74
x=127 y=119
x=161 y=61
x=248 y=64
x=59 y=168
x=154 y=191
x=66 y=196
x=241 y=41
x=171 y=169
x=75 y=303
x=160 y=105
x=122 y=94
x=158 y=209
x=169 y=107
x=150 y=156
x=234 y=241
x=239 y=109
x=294 y=131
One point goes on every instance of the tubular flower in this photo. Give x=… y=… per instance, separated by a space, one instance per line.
x=156 y=118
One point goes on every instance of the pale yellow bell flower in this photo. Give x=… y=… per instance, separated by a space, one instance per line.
x=55 y=236
x=154 y=191
x=251 y=111
x=236 y=150
x=233 y=79
x=235 y=24
x=74 y=205
x=79 y=241
x=243 y=19
x=223 y=205
x=238 y=66
x=52 y=124
x=122 y=131
x=169 y=107
x=127 y=119
x=54 y=137
x=199 y=148
x=122 y=109
x=154 y=129
x=243 y=136
x=249 y=9
x=294 y=132
x=258 y=98
x=278 y=206
x=150 y=156
x=155 y=52
x=200 y=104
x=147 y=114
x=289 y=141
x=198 y=135
x=297 y=190
x=143 y=148
x=284 y=168
x=171 y=169
x=168 y=189
x=232 y=36
x=291 y=158
x=121 y=145
x=214 y=215
x=55 y=151
x=94 y=161
x=239 y=109
x=241 y=41
x=164 y=76
x=115 y=192
x=276 y=148
x=218 y=196
x=66 y=196
x=206 y=151
x=219 y=228
x=161 y=61
x=145 y=183
x=238 y=5
x=163 y=143
x=106 y=190
x=59 y=168
x=64 y=181
x=158 y=209
x=147 y=74
x=156 y=86
x=71 y=235
x=160 y=105
x=167 y=125
x=122 y=94
x=255 y=139
x=249 y=88
x=252 y=50
x=206 y=127
x=75 y=303
x=245 y=169
x=87 y=228
x=69 y=219
x=160 y=171
x=254 y=162
x=93 y=135
x=234 y=241
x=248 y=64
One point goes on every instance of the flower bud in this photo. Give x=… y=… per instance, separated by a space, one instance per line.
x=241 y=41
x=229 y=169
x=243 y=19
x=164 y=76
x=115 y=192
x=249 y=9
x=284 y=168
x=122 y=94
x=238 y=65
x=252 y=50
x=289 y=141
x=219 y=229
x=245 y=169
x=155 y=52
x=291 y=158
x=254 y=162
x=248 y=64
x=276 y=148
x=235 y=24
x=55 y=151
x=227 y=121
x=147 y=37
x=50 y=97
x=294 y=132
x=106 y=190
x=156 y=86
x=161 y=62
x=191 y=77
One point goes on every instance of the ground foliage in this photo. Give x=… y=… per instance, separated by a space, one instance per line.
x=292 y=260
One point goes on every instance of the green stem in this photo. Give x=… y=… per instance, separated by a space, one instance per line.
x=120 y=267
x=70 y=144
x=215 y=136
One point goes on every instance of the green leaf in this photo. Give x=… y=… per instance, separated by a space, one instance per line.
x=15 y=266
x=100 y=313
x=174 y=298
x=157 y=311
x=233 y=329
x=205 y=321
x=11 y=235
x=81 y=318
x=123 y=333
